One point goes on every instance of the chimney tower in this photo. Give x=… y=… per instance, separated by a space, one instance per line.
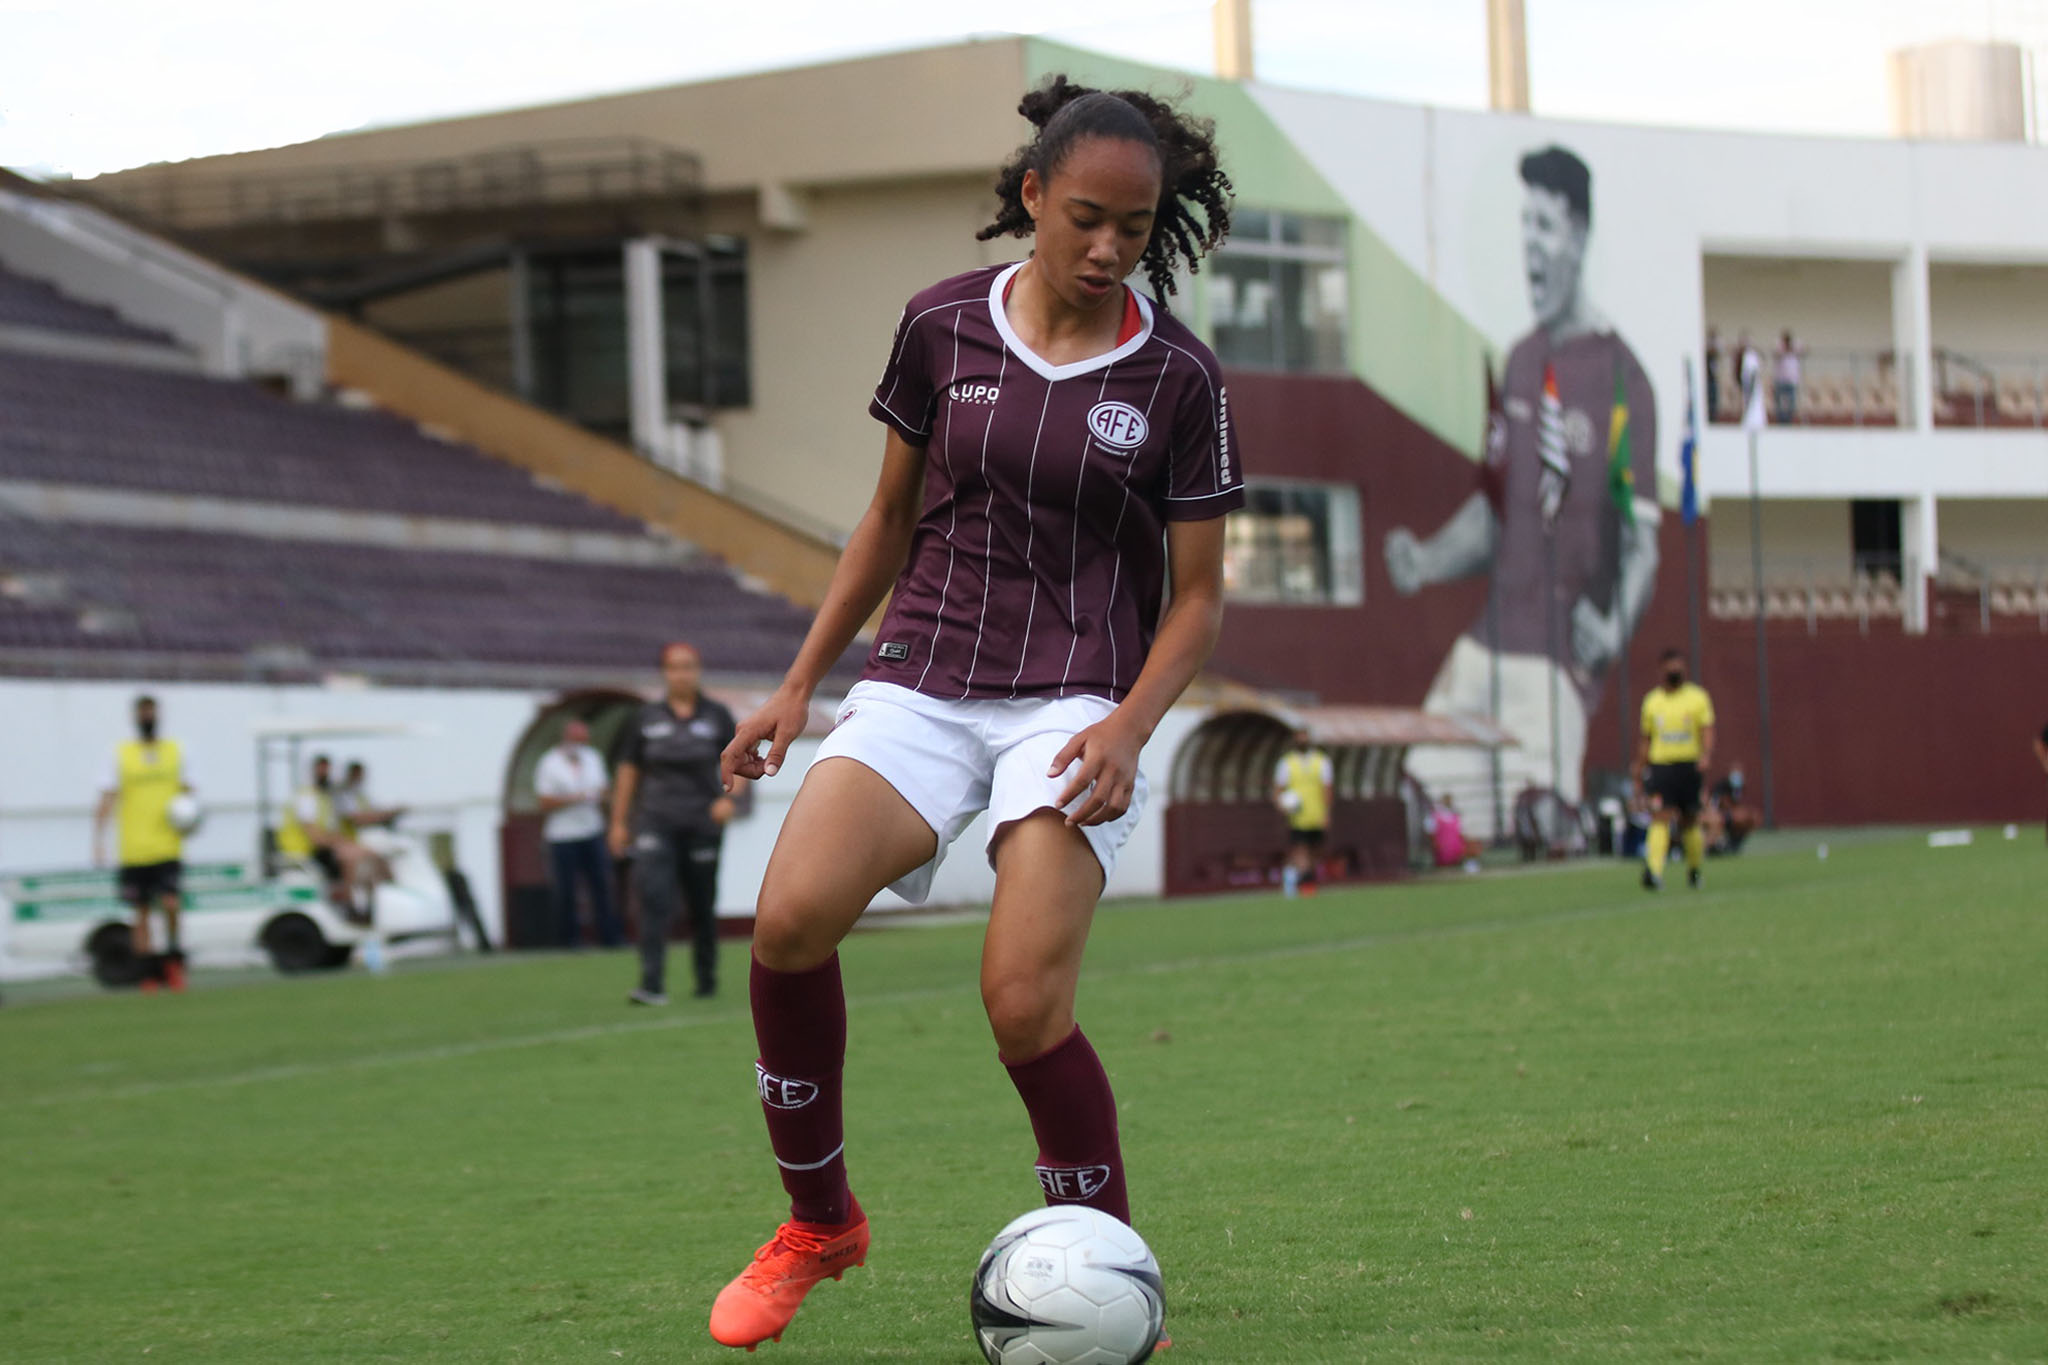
x=1507 y=57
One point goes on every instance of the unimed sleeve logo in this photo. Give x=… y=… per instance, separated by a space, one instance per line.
x=1118 y=424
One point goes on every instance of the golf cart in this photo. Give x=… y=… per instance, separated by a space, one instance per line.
x=319 y=924
x=276 y=907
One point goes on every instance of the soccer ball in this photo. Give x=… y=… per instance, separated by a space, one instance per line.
x=185 y=813
x=1067 y=1285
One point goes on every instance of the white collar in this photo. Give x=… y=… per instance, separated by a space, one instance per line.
x=1032 y=358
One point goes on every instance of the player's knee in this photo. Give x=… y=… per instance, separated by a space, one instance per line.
x=787 y=940
x=1026 y=1019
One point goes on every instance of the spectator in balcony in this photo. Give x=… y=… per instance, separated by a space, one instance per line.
x=1786 y=370
x=1570 y=575
x=571 y=782
x=669 y=812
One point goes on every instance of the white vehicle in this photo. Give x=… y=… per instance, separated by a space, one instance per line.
x=278 y=907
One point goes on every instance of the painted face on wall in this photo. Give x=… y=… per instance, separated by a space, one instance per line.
x=1553 y=252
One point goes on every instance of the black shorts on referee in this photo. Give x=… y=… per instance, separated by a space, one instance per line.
x=144 y=884
x=1676 y=786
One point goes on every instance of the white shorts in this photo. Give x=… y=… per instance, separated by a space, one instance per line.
x=952 y=760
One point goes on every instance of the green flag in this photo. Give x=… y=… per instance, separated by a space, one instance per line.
x=1621 y=473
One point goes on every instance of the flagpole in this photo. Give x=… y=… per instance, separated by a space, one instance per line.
x=1550 y=627
x=1763 y=662
x=1689 y=513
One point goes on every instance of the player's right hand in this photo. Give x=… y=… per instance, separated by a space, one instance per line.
x=1404 y=560
x=779 y=721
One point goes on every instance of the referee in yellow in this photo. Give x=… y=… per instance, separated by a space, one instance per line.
x=1673 y=749
x=149 y=772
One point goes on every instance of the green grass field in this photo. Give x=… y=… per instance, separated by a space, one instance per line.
x=1801 y=1115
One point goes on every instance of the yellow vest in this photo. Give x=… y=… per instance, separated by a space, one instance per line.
x=292 y=839
x=149 y=776
x=1675 y=722
x=1305 y=779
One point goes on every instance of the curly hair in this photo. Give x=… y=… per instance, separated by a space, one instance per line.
x=1066 y=114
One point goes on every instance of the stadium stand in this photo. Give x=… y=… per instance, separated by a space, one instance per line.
x=26 y=302
x=74 y=422
x=254 y=537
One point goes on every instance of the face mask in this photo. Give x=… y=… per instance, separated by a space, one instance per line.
x=146 y=727
x=1674 y=679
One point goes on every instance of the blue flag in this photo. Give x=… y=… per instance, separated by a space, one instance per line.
x=1688 y=457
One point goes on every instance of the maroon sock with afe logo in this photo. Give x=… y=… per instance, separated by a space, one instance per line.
x=1073 y=1115
x=800 y=1025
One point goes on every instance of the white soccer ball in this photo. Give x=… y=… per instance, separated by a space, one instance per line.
x=185 y=813
x=1290 y=801
x=1067 y=1285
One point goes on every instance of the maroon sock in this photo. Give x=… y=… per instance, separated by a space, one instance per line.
x=800 y=1024
x=1073 y=1115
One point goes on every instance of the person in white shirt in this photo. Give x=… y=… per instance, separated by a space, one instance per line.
x=1786 y=372
x=571 y=782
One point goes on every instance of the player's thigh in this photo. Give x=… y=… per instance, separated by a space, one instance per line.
x=1048 y=880
x=848 y=834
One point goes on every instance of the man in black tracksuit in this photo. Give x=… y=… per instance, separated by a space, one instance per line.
x=668 y=816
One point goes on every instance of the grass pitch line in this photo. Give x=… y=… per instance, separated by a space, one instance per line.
x=1636 y=904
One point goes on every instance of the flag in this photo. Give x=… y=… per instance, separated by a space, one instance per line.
x=1493 y=460
x=1621 y=471
x=1550 y=449
x=1750 y=371
x=1688 y=457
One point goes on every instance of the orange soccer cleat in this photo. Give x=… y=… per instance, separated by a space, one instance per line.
x=758 y=1305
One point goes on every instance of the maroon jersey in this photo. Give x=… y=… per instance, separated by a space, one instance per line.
x=1038 y=566
x=1534 y=593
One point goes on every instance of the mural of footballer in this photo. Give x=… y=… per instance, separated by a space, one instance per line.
x=1570 y=575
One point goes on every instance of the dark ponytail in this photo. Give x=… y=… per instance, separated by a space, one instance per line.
x=1067 y=114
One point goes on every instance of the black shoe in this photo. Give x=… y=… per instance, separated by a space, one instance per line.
x=1651 y=881
x=706 y=990
x=1692 y=878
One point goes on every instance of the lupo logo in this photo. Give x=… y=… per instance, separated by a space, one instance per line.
x=1119 y=425
x=968 y=392
x=783 y=1092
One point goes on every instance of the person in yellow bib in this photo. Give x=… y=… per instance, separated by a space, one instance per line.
x=312 y=829
x=1673 y=750
x=148 y=774
x=1303 y=790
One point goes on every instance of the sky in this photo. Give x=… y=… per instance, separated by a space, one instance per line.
x=99 y=86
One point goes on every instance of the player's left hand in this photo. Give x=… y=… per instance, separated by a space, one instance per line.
x=1107 y=770
x=1596 y=636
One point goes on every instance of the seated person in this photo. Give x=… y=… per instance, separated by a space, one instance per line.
x=1725 y=819
x=312 y=829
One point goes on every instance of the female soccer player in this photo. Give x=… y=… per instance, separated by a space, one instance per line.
x=1058 y=452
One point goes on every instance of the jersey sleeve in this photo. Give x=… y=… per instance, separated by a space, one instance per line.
x=632 y=747
x=1203 y=476
x=1648 y=724
x=904 y=397
x=1706 y=708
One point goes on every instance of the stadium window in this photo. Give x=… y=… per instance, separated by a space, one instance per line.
x=704 y=321
x=1295 y=543
x=1278 y=294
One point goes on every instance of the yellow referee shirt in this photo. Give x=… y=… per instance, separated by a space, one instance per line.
x=1676 y=722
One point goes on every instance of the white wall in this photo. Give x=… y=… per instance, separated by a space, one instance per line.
x=56 y=753
x=1801 y=538
x=1828 y=305
x=1990 y=311
x=1996 y=533
x=1441 y=188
